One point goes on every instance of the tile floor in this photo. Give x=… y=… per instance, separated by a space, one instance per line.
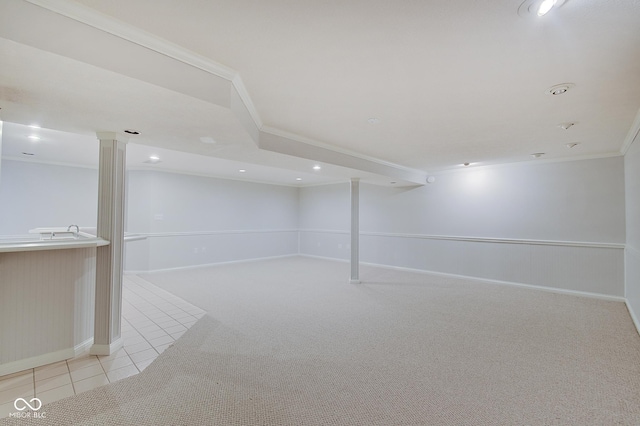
x=152 y=319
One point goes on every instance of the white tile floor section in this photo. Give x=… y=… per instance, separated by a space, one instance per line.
x=152 y=319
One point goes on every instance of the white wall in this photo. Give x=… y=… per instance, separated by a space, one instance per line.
x=451 y=226
x=632 y=252
x=35 y=195
x=193 y=220
x=188 y=220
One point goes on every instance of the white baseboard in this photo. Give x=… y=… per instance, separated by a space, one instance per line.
x=486 y=280
x=36 y=361
x=83 y=347
x=510 y=283
x=205 y=265
x=106 y=349
x=335 y=259
x=634 y=317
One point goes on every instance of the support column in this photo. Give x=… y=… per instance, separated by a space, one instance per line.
x=109 y=259
x=355 y=231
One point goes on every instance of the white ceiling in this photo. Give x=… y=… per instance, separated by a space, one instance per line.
x=448 y=82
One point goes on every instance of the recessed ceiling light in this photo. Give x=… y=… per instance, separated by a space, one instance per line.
x=207 y=139
x=154 y=158
x=545 y=7
x=393 y=182
x=317 y=167
x=572 y=145
x=566 y=126
x=298 y=178
x=559 y=89
x=132 y=132
x=373 y=120
x=537 y=8
x=466 y=164
x=242 y=171
x=431 y=179
x=34 y=126
x=34 y=137
x=27 y=153
x=537 y=154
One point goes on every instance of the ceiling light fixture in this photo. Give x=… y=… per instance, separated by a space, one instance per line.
x=545 y=7
x=132 y=132
x=28 y=153
x=34 y=137
x=298 y=178
x=34 y=126
x=534 y=9
x=466 y=164
x=208 y=140
x=537 y=154
x=559 y=89
x=572 y=145
x=431 y=179
x=242 y=171
x=317 y=167
x=566 y=126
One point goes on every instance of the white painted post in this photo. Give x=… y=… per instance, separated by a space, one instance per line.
x=355 y=231
x=109 y=259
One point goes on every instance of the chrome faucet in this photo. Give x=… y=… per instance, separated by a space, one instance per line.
x=77 y=229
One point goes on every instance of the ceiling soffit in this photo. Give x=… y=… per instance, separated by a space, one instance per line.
x=85 y=35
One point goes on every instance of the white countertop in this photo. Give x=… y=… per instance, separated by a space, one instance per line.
x=38 y=245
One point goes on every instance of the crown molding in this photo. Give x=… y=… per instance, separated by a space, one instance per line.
x=108 y=24
x=527 y=161
x=122 y=30
x=632 y=135
x=308 y=141
x=246 y=99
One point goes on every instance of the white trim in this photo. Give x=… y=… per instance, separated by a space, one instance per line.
x=326 y=231
x=298 y=138
x=205 y=265
x=486 y=280
x=145 y=168
x=509 y=283
x=142 y=235
x=160 y=169
x=315 y=256
x=244 y=96
x=633 y=315
x=83 y=347
x=108 y=24
x=51 y=163
x=106 y=349
x=527 y=161
x=36 y=361
x=631 y=251
x=476 y=239
x=632 y=135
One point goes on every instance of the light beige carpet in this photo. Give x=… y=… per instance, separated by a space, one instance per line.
x=289 y=342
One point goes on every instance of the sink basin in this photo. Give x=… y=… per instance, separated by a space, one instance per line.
x=55 y=234
x=64 y=235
